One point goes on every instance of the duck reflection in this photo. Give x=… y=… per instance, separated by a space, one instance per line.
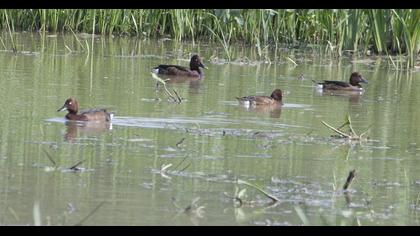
x=273 y=110
x=353 y=96
x=86 y=128
x=194 y=84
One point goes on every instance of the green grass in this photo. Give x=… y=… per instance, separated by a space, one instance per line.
x=382 y=31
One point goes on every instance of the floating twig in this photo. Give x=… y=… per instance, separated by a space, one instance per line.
x=275 y=199
x=179 y=143
x=74 y=167
x=185 y=167
x=349 y=180
x=291 y=60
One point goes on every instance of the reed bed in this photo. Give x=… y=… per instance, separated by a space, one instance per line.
x=371 y=31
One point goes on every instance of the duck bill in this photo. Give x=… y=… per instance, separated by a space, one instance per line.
x=62 y=108
x=203 y=66
x=364 y=81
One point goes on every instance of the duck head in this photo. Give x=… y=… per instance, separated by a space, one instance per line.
x=356 y=78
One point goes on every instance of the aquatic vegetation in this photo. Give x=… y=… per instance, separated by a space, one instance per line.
x=352 y=135
x=175 y=98
x=272 y=197
x=54 y=167
x=366 y=31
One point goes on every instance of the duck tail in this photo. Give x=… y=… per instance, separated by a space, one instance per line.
x=314 y=81
x=111 y=115
x=155 y=70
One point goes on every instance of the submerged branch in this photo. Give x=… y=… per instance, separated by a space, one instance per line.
x=179 y=142
x=349 y=180
x=74 y=167
x=175 y=98
x=350 y=126
x=336 y=130
x=352 y=135
x=90 y=214
x=274 y=198
x=50 y=158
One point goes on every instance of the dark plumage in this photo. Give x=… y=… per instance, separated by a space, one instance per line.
x=175 y=70
x=72 y=106
x=353 y=84
x=274 y=99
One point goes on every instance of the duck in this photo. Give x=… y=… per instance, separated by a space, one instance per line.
x=72 y=106
x=253 y=100
x=175 y=70
x=353 y=84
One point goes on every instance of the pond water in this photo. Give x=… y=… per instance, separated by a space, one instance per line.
x=205 y=143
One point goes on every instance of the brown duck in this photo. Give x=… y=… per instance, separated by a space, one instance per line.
x=274 y=99
x=72 y=106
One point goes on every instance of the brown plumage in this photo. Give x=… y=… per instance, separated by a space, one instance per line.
x=353 y=84
x=175 y=70
x=72 y=106
x=274 y=99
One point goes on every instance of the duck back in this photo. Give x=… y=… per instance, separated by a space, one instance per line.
x=257 y=100
x=176 y=70
x=97 y=114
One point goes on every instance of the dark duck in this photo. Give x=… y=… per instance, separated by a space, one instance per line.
x=175 y=70
x=353 y=84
